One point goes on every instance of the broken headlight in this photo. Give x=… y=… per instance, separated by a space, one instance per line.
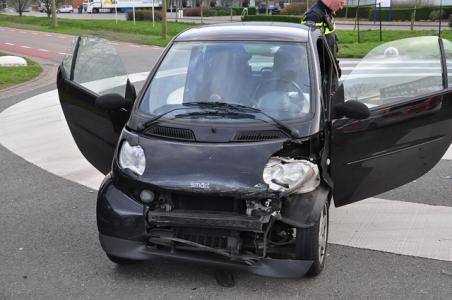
x=291 y=175
x=132 y=157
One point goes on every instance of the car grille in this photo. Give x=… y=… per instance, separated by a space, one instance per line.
x=260 y=135
x=212 y=238
x=171 y=132
x=207 y=203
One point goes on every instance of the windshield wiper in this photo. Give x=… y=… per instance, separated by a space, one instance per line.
x=214 y=113
x=219 y=104
x=293 y=133
x=145 y=125
x=230 y=106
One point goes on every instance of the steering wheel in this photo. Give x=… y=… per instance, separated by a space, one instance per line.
x=260 y=91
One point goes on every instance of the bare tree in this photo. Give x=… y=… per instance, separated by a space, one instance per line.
x=19 y=5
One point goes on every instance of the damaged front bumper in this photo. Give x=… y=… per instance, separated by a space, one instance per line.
x=277 y=268
x=123 y=225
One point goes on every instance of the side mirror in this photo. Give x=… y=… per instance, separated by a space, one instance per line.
x=112 y=102
x=352 y=109
x=131 y=93
x=116 y=101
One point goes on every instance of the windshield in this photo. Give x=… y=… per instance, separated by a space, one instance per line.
x=272 y=77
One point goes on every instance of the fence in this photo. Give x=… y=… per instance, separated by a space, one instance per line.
x=378 y=14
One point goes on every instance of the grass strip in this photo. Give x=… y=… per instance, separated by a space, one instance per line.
x=144 y=33
x=349 y=47
x=10 y=76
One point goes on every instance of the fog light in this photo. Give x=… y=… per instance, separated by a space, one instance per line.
x=147 y=196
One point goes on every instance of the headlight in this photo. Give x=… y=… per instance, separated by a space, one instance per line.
x=132 y=157
x=300 y=176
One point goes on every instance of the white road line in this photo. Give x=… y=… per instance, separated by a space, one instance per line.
x=394 y=226
x=62 y=53
x=49 y=35
x=43 y=50
x=26 y=47
x=11 y=44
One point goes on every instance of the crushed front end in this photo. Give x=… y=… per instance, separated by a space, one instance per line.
x=213 y=218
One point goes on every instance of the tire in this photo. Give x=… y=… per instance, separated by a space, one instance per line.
x=120 y=261
x=311 y=243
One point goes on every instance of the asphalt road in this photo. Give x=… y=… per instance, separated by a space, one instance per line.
x=50 y=249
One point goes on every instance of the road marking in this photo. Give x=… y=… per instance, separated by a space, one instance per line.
x=9 y=44
x=49 y=35
x=394 y=226
x=26 y=47
x=134 y=46
x=43 y=50
x=62 y=53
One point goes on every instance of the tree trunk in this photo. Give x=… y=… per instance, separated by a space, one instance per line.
x=164 y=22
x=54 y=17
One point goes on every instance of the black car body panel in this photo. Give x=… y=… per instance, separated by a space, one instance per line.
x=408 y=146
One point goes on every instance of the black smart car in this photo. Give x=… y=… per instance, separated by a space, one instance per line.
x=242 y=136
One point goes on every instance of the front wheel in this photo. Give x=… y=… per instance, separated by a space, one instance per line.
x=311 y=242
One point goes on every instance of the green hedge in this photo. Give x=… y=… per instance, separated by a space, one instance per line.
x=275 y=18
x=144 y=15
x=217 y=11
x=294 y=9
x=236 y=11
x=423 y=13
x=397 y=14
x=351 y=12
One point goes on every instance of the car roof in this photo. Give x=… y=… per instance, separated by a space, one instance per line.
x=247 y=31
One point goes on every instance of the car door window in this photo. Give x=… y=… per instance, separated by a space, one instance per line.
x=448 y=55
x=97 y=67
x=396 y=71
x=67 y=59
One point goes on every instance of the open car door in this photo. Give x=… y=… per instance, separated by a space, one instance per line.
x=406 y=87
x=92 y=70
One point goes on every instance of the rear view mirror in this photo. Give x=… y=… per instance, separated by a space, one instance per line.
x=112 y=102
x=352 y=109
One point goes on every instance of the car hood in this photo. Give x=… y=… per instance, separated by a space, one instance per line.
x=207 y=167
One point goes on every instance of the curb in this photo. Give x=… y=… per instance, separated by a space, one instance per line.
x=47 y=76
